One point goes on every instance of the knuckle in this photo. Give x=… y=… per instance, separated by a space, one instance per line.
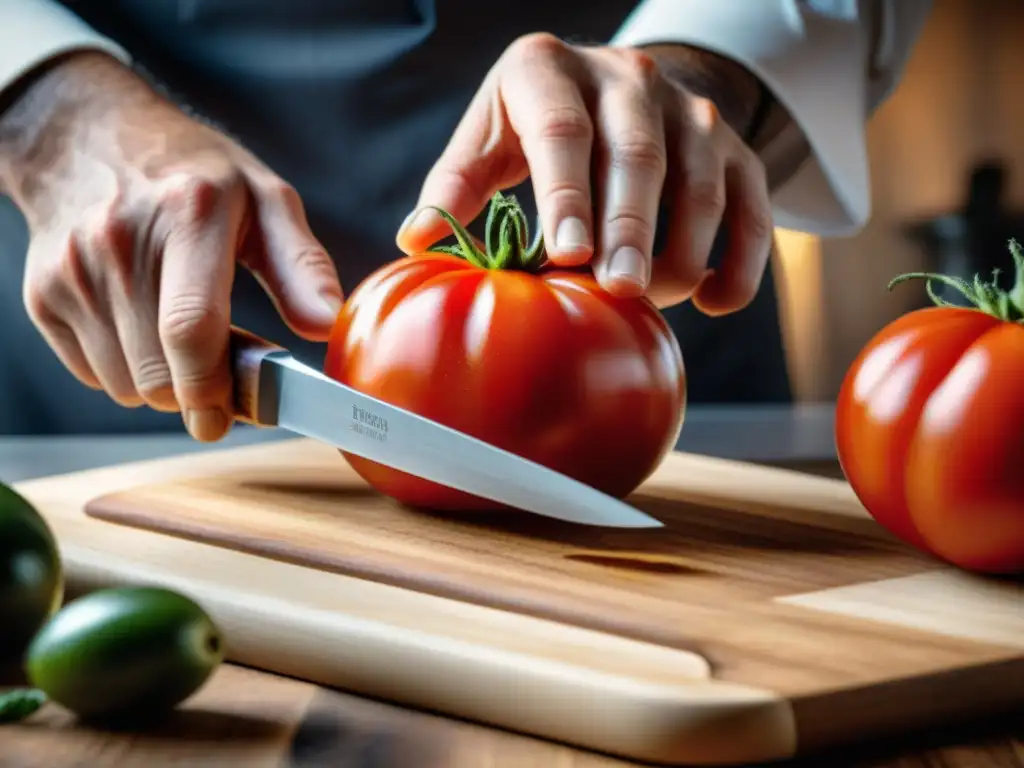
x=113 y=375
x=759 y=227
x=69 y=260
x=314 y=262
x=37 y=303
x=285 y=194
x=759 y=224
x=703 y=114
x=706 y=197
x=537 y=45
x=755 y=207
x=51 y=280
x=566 y=122
x=152 y=378
x=203 y=386
x=568 y=193
x=757 y=214
x=639 y=65
x=631 y=225
x=188 y=321
x=77 y=277
x=196 y=197
x=43 y=283
x=754 y=167
x=639 y=150
x=107 y=238
x=103 y=233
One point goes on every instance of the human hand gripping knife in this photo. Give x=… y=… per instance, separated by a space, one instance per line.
x=273 y=389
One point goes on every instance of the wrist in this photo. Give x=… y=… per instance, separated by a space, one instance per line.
x=40 y=114
x=739 y=95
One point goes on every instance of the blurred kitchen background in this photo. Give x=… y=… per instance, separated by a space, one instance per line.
x=947 y=168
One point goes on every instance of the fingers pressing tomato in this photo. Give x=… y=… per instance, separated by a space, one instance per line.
x=555 y=112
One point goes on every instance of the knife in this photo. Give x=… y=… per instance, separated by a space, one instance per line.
x=273 y=389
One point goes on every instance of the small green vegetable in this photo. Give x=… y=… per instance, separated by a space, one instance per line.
x=20 y=703
x=127 y=653
x=31 y=578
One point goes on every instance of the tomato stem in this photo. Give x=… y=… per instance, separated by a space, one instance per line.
x=506 y=238
x=987 y=297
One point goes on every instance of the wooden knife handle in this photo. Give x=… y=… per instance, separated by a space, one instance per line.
x=246 y=353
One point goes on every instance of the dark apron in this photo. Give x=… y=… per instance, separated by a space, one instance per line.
x=351 y=101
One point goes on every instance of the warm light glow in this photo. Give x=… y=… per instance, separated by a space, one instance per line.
x=798 y=277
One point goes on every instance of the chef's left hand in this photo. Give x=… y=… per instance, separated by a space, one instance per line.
x=558 y=113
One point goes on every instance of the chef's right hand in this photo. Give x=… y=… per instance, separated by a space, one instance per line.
x=138 y=215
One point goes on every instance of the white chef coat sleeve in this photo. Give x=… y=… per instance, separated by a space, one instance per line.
x=34 y=31
x=830 y=63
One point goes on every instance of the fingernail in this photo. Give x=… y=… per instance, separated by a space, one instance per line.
x=207 y=424
x=329 y=304
x=421 y=218
x=627 y=263
x=571 y=235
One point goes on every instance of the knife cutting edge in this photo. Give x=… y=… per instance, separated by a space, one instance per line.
x=273 y=389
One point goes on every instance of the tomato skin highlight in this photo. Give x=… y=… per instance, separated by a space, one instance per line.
x=546 y=365
x=930 y=433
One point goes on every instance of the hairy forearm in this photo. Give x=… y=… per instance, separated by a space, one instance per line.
x=25 y=107
x=29 y=107
x=39 y=114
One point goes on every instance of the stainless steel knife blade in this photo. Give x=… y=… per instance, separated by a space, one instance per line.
x=275 y=389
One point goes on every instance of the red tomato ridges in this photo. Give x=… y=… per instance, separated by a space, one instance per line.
x=488 y=339
x=930 y=425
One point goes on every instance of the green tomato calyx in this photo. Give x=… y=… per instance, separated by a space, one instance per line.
x=506 y=238
x=985 y=296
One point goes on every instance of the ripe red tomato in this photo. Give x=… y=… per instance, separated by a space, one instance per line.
x=930 y=426
x=540 y=362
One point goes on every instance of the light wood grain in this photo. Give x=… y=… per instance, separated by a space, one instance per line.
x=783 y=675
x=531 y=675
x=246 y=718
x=970 y=607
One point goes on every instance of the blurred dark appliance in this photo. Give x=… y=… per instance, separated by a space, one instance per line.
x=973 y=240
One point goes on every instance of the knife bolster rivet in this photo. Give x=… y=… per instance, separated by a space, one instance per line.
x=252 y=382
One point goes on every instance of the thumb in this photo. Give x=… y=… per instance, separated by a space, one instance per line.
x=293 y=266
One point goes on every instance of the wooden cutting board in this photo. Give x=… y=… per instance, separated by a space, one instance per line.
x=771 y=617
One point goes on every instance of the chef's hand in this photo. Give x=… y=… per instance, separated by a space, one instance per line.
x=547 y=110
x=138 y=215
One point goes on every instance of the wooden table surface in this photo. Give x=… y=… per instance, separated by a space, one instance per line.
x=245 y=717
